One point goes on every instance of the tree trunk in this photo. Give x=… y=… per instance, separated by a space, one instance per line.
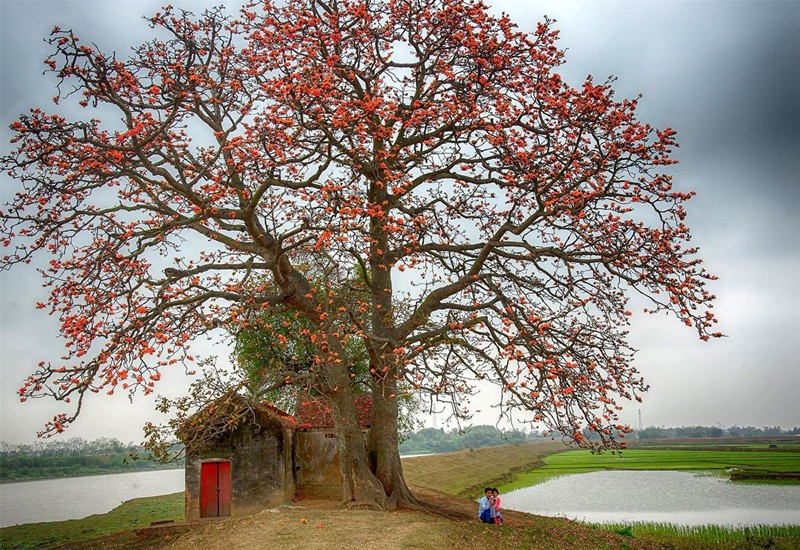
x=382 y=444
x=360 y=488
x=382 y=439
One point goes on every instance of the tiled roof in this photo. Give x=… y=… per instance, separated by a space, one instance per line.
x=313 y=413
x=216 y=417
x=285 y=418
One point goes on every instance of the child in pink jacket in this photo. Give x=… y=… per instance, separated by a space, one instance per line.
x=495 y=507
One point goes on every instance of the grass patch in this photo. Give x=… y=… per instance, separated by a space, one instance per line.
x=130 y=515
x=711 y=460
x=764 y=482
x=756 y=536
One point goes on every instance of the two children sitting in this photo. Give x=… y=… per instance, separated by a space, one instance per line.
x=489 y=506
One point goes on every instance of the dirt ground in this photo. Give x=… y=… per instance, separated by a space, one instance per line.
x=322 y=525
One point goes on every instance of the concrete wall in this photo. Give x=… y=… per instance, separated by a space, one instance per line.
x=316 y=458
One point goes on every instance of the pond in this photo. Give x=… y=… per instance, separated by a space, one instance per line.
x=680 y=498
x=78 y=497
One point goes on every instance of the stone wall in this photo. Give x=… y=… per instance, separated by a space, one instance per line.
x=261 y=468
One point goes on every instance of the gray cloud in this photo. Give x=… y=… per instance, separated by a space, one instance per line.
x=724 y=74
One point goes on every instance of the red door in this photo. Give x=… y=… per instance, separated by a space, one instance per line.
x=215 y=489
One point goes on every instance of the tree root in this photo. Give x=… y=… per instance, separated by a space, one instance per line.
x=362 y=505
x=452 y=507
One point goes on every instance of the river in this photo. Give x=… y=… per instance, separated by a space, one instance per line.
x=680 y=498
x=613 y=496
x=78 y=497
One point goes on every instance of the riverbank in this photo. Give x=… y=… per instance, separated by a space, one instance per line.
x=110 y=529
x=63 y=499
x=447 y=481
x=62 y=458
x=64 y=473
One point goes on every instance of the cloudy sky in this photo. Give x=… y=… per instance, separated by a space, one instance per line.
x=724 y=74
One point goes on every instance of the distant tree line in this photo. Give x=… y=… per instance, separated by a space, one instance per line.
x=660 y=432
x=438 y=440
x=75 y=456
x=433 y=440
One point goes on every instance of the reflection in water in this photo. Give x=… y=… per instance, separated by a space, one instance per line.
x=658 y=496
x=78 y=497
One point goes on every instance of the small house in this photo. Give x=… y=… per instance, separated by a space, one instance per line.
x=270 y=458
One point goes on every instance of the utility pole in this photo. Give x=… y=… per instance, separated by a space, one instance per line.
x=641 y=428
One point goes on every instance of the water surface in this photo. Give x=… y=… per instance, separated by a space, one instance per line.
x=78 y=497
x=658 y=496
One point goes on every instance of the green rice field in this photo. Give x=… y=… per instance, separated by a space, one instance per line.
x=697 y=458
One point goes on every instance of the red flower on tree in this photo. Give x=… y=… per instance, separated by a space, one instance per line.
x=360 y=139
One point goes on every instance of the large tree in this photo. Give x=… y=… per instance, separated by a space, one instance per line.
x=496 y=216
